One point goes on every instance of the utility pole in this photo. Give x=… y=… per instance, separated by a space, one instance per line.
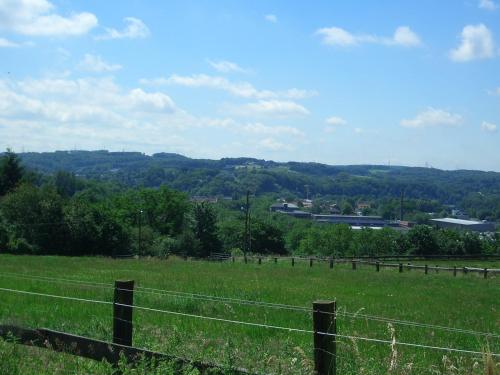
x=401 y=205
x=247 y=226
x=140 y=232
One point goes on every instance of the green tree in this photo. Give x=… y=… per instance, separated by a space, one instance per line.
x=231 y=234
x=66 y=183
x=206 y=229
x=347 y=208
x=328 y=240
x=11 y=172
x=93 y=230
x=422 y=240
x=266 y=238
x=4 y=236
x=472 y=243
x=36 y=215
x=450 y=242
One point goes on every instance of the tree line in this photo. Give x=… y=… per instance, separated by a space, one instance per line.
x=63 y=214
x=476 y=192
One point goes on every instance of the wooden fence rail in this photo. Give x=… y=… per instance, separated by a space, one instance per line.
x=354 y=262
x=97 y=349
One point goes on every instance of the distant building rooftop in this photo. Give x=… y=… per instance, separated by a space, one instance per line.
x=284 y=207
x=296 y=213
x=462 y=224
x=458 y=221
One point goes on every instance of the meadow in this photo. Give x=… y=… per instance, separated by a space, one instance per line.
x=468 y=303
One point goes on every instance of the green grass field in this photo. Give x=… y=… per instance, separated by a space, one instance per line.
x=467 y=302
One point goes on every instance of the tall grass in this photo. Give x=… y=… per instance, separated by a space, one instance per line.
x=465 y=301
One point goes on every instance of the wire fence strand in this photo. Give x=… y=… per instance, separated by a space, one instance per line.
x=211 y=298
x=253 y=324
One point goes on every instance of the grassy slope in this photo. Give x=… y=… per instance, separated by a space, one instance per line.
x=467 y=302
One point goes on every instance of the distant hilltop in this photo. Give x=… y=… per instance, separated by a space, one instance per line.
x=230 y=176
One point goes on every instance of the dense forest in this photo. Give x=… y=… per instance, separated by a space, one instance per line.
x=89 y=210
x=476 y=192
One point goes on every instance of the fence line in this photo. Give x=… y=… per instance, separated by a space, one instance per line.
x=421 y=325
x=260 y=325
x=162 y=292
x=486 y=257
x=339 y=314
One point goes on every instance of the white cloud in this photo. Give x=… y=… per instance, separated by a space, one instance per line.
x=157 y=101
x=261 y=129
x=93 y=63
x=250 y=128
x=487 y=4
x=476 y=43
x=92 y=113
x=5 y=43
x=38 y=18
x=404 y=36
x=297 y=93
x=89 y=102
x=273 y=145
x=134 y=29
x=274 y=108
x=336 y=36
x=225 y=66
x=96 y=112
x=271 y=18
x=488 y=127
x=335 y=121
x=240 y=89
x=432 y=117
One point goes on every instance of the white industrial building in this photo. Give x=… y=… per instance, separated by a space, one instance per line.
x=462 y=224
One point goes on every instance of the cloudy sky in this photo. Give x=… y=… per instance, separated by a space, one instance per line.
x=347 y=82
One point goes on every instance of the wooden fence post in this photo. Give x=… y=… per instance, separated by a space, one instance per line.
x=232 y=259
x=275 y=260
x=310 y=262
x=246 y=259
x=331 y=262
x=122 y=315
x=354 y=265
x=260 y=260
x=485 y=273
x=293 y=261
x=408 y=267
x=325 y=346
x=454 y=270
x=400 y=267
x=437 y=269
x=377 y=266
x=426 y=269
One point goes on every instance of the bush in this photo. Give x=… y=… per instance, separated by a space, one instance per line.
x=4 y=237
x=163 y=246
x=236 y=252
x=21 y=246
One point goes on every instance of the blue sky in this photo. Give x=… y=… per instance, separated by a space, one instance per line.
x=355 y=82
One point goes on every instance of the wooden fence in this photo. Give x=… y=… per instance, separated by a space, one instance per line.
x=377 y=264
x=324 y=339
